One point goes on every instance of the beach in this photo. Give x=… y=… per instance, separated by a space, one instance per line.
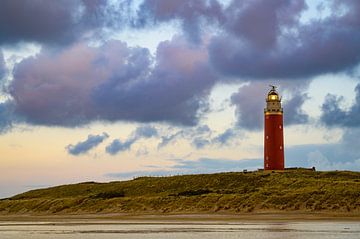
x=179 y=226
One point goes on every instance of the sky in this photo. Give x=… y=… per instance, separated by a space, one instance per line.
x=107 y=90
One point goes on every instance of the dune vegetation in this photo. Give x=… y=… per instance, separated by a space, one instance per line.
x=235 y=192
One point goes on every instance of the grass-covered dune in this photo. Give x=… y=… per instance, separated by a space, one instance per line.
x=297 y=191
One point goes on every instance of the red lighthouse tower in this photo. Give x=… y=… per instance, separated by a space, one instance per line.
x=274 y=132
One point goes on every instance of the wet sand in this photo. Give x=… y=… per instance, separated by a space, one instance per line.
x=174 y=218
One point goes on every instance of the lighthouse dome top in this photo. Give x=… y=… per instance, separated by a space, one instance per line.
x=273 y=95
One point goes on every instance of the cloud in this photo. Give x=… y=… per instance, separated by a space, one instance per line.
x=259 y=22
x=7 y=117
x=334 y=115
x=284 y=47
x=2 y=67
x=56 y=88
x=83 y=147
x=175 y=91
x=145 y=132
x=200 y=137
x=293 y=113
x=113 y=82
x=200 y=142
x=225 y=137
x=117 y=146
x=202 y=129
x=142 y=132
x=222 y=139
x=191 y=13
x=256 y=39
x=249 y=103
x=51 y=22
x=167 y=139
x=188 y=133
x=78 y=84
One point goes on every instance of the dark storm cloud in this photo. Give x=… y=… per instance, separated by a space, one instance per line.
x=142 y=132
x=249 y=103
x=60 y=21
x=191 y=13
x=83 y=147
x=113 y=82
x=334 y=115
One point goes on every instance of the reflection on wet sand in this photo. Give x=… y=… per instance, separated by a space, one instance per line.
x=177 y=230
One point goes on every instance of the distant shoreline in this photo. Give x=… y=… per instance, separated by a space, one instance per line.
x=189 y=218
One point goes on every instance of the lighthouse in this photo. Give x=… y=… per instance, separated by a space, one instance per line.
x=273 y=132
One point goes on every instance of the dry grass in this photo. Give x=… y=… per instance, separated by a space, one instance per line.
x=299 y=190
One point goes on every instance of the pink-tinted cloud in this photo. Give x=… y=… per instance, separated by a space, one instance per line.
x=80 y=84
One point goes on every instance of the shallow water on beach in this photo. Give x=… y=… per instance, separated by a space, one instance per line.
x=178 y=230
